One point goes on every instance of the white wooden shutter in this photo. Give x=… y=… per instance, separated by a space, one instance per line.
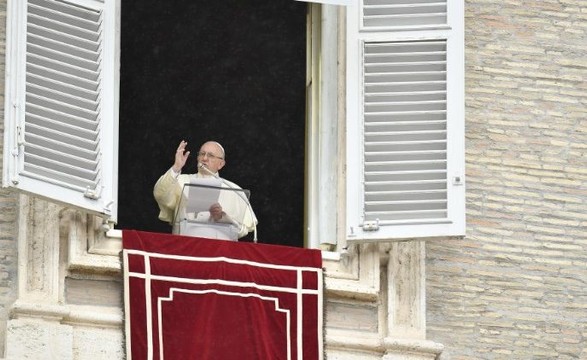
x=330 y=2
x=405 y=142
x=399 y=13
x=61 y=105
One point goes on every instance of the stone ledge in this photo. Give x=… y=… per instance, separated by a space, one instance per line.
x=69 y=314
x=389 y=348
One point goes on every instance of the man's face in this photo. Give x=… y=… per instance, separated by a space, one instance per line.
x=211 y=156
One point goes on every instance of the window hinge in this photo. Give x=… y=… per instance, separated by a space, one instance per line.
x=19 y=136
x=92 y=193
x=371 y=225
x=19 y=142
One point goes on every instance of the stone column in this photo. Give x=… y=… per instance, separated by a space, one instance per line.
x=406 y=304
x=35 y=330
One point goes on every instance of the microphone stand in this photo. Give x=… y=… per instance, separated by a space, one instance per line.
x=240 y=194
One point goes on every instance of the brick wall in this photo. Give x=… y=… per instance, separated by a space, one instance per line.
x=516 y=286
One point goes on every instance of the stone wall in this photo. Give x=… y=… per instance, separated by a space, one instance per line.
x=8 y=213
x=516 y=286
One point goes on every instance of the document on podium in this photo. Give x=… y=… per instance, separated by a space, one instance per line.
x=198 y=200
x=193 y=216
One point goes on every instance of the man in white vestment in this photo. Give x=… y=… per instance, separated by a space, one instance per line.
x=229 y=217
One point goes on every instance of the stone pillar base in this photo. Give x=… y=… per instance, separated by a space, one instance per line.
x=400 y=349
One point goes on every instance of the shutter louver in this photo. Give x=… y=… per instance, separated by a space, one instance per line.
x=405 y=132
x=404 y=13
x=62 y=117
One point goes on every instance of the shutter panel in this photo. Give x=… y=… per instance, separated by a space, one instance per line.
x=61 y=125
x=405 y=131
x=405 y=138
x=329 y=2
x=400 y=13
x=62 y=101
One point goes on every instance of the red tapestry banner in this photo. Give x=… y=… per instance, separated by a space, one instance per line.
x=196 y=298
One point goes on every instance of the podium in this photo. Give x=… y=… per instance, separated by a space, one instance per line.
x=193 y=217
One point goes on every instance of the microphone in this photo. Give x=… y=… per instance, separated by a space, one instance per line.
x=244 y=198
x=205 y=168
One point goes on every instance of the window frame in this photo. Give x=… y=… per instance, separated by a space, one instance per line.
x=325 y=127
x=331 y=184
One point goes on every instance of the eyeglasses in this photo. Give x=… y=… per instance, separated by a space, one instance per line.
x=210 y=155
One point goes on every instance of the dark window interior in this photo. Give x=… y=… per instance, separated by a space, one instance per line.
x=231 y=71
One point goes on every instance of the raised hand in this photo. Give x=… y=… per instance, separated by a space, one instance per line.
x=181 y=156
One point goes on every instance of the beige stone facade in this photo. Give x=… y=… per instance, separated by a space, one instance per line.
x=514 y=288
